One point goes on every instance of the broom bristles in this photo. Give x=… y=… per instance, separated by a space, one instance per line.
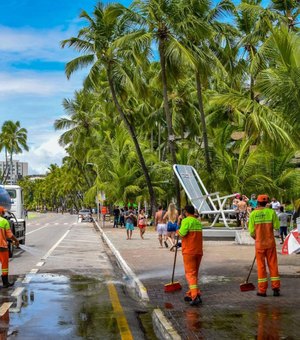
x=172 y=287
x=245 y=287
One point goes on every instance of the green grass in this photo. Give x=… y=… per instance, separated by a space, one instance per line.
x=32 y=215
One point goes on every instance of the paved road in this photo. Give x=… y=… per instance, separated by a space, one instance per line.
x=69 y=287
x=226 y=313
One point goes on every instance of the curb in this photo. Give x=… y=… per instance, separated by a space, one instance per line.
x=163 y=328
x=139 y=288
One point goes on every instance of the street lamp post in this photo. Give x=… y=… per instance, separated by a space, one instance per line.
x=97 y=194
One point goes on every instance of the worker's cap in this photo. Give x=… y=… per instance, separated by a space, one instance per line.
x=2 y=210
x=262 y=198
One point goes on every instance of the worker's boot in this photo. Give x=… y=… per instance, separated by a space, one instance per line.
x=276 y=292
x=196 y=302
x=6 y=284
x=261 y=294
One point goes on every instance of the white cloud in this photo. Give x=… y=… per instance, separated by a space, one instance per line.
x=40 y=157
x=38 y=83
x=34 y=44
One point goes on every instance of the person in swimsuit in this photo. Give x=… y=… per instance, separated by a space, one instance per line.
x=172 y=225
x=142 y=223
x=161 y=227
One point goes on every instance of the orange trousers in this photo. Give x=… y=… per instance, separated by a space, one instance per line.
x=4 y=257
x=191 y=268
x=269 y=255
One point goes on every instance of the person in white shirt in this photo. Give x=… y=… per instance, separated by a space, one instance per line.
x=275 y=205
x=283 y=219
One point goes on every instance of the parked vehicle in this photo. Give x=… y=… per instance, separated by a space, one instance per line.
x=11 y=198
x=85 y=215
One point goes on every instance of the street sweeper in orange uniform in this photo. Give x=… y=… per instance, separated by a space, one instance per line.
x=192 y=250
x=262 y=222
x=5 y=233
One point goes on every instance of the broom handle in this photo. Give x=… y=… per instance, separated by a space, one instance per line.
x=175 y=256
x=251 y=268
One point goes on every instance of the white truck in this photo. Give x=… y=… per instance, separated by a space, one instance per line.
x=11 y=198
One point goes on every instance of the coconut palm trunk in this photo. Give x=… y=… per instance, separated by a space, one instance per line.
x=171 y=137
x=132 y=133
x=203 y=122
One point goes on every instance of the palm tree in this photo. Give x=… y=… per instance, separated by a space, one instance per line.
x=98 y=43
x=160 y=19
x=279 y=84
x=291 y=11
x=14 y=141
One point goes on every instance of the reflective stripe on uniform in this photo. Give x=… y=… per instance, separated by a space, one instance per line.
x=275 y=278
x=263 y=280
x=193 y=286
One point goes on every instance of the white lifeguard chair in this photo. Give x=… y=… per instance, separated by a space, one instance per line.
x=205 y=203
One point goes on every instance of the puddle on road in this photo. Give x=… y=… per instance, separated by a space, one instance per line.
x=265 y=322
x=63 y=307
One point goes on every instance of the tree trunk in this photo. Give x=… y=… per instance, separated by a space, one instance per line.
x=203 y=123
x=132 y=133
x=171 y=137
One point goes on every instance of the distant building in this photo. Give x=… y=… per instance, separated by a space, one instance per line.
x=19 y=170
x=34 y=177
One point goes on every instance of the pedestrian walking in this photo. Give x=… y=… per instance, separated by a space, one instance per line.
x=275 y=205
x=116 y=213
x=283 y=222
x=142 y=222
x=192 y=250
x=253 y=202
x=172 y=225
x=262 y=223
x=129 y=223
x=161 y=226
x=122 y=218
x=235 y=202
x=5 y=233
x=242 y=209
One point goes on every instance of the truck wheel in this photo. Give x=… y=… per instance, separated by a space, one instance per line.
x=22 y=241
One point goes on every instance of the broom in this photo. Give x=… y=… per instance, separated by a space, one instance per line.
x=247 y=286
x=173 y=286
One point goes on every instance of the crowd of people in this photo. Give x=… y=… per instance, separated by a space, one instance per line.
x=259 y=215
x=243 y=207
x=168 y=221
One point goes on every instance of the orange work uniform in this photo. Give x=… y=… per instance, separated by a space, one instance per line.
x=262 y=222
x=192 y=251
x=5 y=233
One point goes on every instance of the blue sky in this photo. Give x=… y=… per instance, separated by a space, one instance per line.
x=32 y=79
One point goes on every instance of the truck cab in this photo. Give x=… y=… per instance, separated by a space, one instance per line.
x=11 y=198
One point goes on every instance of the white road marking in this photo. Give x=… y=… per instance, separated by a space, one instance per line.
x=33 y=231
x=55 y=245
x=34 y=271
x=18 y=291
x=27 y=279
x=40 y=264
x=95 y=242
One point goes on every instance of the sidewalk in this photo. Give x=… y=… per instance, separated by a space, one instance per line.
x=226 y=312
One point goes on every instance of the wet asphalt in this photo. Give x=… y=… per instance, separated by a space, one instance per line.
x=64 y=285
